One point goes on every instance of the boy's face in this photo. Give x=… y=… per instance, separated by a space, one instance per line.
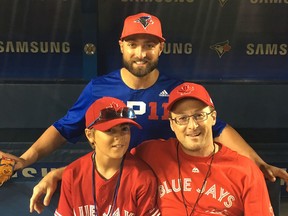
x=112 y=143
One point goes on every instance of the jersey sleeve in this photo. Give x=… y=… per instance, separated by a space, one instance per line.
x=255 y=195
x=218 y=127
x=72 y=125
x=65 y=201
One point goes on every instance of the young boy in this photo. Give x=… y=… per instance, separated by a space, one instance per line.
x=109 y=180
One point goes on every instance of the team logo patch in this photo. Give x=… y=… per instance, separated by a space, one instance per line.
x=195 y=170
x=144 y=21
x=221 y=48
x=114 y=105
x=185 y=89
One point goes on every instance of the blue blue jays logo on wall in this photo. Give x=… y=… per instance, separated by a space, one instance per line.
x=144 y=21
x=221 y=48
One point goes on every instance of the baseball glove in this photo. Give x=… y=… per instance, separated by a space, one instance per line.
x=6 y=169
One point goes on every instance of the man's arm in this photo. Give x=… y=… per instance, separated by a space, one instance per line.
x=48 y=142
x=46 y=187
x=232 y=139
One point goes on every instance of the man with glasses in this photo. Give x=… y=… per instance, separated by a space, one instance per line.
x=197 y=175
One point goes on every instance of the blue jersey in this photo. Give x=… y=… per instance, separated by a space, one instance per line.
x=149 y=105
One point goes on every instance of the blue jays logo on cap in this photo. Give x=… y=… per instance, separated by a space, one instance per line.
x=144 y=21
x=114 y=105
x=185 y=89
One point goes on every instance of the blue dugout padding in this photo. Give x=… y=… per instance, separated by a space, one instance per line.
x=15 y=195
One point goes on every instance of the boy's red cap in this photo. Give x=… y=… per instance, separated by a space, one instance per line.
x=142 y=23
x=189 y=90
x=94 y=111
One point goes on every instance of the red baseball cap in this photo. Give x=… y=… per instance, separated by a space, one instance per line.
x=107 y=112
x=142 y=23
x=189 y=90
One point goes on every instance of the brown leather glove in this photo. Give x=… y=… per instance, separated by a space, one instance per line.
x=6 y=169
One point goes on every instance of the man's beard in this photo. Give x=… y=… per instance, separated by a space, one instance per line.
x=140 y=71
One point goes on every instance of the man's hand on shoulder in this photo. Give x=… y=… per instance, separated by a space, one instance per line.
x=45 y=188
x=271 y=173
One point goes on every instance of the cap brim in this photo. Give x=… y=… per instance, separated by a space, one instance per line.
x=112 y=123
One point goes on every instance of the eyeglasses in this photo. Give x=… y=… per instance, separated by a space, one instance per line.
x=198 y=117
x=110 y=113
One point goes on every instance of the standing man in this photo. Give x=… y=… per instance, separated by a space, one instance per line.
x=140 y=85
x=196 y=175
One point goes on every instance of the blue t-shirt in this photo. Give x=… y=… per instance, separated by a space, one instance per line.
x=149 y=105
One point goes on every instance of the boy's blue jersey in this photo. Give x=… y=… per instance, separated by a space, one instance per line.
x=149 y=105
